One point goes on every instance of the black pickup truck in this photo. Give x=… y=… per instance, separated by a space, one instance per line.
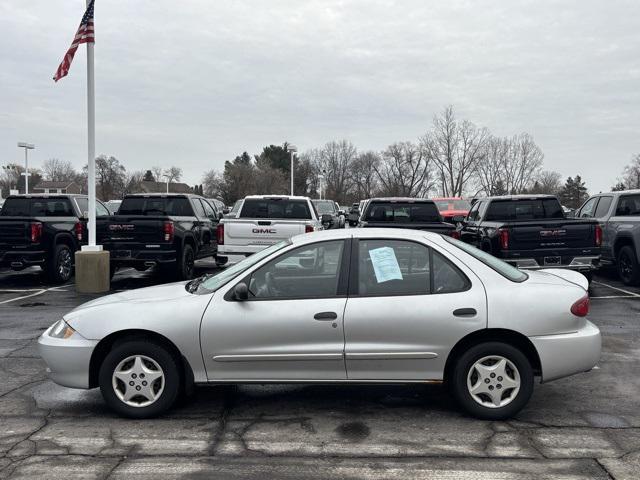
x=44 y=230
x=170 y=231
x=531 y=232
x=412 y=213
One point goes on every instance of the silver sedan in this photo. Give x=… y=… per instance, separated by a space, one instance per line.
x=340 y=306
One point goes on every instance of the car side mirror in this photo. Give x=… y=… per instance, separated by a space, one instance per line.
x=241 y=292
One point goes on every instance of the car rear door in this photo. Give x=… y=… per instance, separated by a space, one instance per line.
x=291 y=327
x=408 y=305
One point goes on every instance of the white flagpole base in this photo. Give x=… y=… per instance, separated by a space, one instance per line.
x=91 y=248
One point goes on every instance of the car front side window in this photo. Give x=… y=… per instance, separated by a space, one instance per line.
x=310 y=271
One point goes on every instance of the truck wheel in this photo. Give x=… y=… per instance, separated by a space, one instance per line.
x=628 y=268
x=59 y=268
x=186 y=263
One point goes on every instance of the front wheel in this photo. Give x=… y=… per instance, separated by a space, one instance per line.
x=492 y=381
x=628 y=268
x=139 y=379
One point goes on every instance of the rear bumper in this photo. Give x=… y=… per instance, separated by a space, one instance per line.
x=21 y=259
x=241 y=250
x=121 y=256
x=578 y=263
x=569 y=353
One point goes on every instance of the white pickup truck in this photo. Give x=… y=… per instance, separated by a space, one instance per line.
x=263 y=220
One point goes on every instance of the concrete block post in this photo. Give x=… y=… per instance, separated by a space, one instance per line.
x=92 y=271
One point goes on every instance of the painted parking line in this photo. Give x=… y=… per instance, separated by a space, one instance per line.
x=616 y=288
x=609 y=297
x=34 y=294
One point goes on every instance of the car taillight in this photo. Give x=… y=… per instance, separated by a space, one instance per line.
x=78 y=230
x=36 y=232
x=504 y=238
x=598 y=235
x=308 y=228
x=168 y=230
x=455 y=234
x=220 y=233
x=581 y=307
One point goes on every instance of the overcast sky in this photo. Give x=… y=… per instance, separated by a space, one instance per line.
x=193 y=83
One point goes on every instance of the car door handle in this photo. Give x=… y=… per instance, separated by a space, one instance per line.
x=325 y=316
x=465 y=312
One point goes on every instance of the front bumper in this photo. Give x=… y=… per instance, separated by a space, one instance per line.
x=67 y=359
x=568 y=353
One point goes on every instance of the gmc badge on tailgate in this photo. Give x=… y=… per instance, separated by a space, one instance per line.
x=264 y=230
x=121 y=228
x=553 y=233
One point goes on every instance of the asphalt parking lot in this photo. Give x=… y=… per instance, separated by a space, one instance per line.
x=583 y=427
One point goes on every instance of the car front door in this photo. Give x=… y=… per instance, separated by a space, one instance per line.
x=291 y=326
x=408 y=305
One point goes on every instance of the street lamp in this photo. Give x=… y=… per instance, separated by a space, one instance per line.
x=292 y=150
x=26 y=146
x=168 y=177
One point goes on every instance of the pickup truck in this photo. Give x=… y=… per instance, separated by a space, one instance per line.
x=411 y=213
x=619 y=216
x=263 y=220
x=354 y=214
x=169 y=231
x=45 y=230
x=332 y=211
x=532 y=232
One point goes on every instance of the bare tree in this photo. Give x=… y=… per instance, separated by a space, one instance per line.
x=212 y=184
x=547 y=182
x=157 y=173
x=335 y=160
x=364 y=175
x=455 y=148
x=523 y=163
x=57 y=170
x=132 y=181
x=405 y=171
x=631 y=173
x=490 y=168
x=173 y=174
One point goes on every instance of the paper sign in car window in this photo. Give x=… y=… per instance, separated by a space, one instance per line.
x=385 y=264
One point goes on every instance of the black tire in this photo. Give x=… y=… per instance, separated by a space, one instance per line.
x=464 y=366
x=170 y=383
x=59 y=267
x=186 y=263
x=627 y=264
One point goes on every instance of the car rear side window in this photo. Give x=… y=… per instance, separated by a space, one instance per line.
x=172 y=206
x=603 y=206
x=447 y=278
x=628 y=205
x=523 y=210
x=38 y=207
x=281 y=208
x=421 y=212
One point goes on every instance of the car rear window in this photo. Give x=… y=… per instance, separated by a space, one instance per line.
x=422 y=212
x=503 y=268
x=275 y=208
x=523 y=210
x=325 y=207
x=37 y=207
x=171 y=206
x=458 y=204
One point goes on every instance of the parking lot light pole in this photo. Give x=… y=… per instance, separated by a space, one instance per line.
x=168 y=177
x=292 y=150
x=27 y=147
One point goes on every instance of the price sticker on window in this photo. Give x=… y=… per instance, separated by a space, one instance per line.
x=385 y=264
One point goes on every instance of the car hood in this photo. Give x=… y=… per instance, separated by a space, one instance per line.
x=555 y=275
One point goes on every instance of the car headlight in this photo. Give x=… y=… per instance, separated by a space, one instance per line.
x=61 y=329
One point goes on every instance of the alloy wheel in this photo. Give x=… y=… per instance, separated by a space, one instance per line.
x=138 y=381
x=493 y=381
x=64 y=264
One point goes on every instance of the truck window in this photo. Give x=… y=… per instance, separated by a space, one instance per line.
x=523 y=210
x=603 y=206
x=283 y=208
x=627 y=205
x=169 y=206
x=588 y=208
x=422 y=212
x=37 y=207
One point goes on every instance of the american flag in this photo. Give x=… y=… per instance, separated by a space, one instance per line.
x=85 y=34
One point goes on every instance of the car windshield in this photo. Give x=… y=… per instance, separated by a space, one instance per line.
x=218 y=280
x=503 y=268
x=325 y=207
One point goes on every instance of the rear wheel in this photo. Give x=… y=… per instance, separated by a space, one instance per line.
x=139 y=379
x=186 y=263
x=628 y=268
x=492 y=381
x=59 y=268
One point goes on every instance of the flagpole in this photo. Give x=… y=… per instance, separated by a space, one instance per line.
x=91 y=160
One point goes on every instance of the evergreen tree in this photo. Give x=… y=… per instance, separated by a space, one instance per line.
x=574 y=192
